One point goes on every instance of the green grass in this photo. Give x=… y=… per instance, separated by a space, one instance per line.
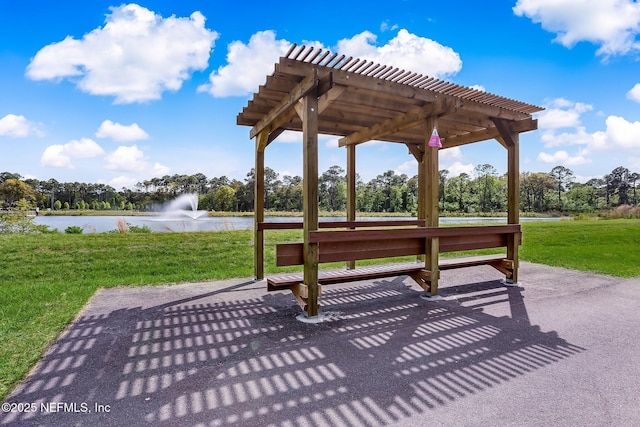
x=607 y=246
x=46 y=279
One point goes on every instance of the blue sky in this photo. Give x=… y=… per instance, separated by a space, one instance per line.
x=100 y=91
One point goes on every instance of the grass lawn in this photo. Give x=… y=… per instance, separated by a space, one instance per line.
x=46 y=279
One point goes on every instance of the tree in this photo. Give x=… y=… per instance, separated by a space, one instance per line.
x=12 y=190
x=563 y=178
x=244 y=194
x=533 y=190
x=582 y=198
x=459 y=191
x=8 y=175
x=290 y=194
x=19 y=220
x=633 y=179
x=620 y=184
x=332 y=189
x=486 y=179
x=225 y=199
x=442 y=175
x=271 y=183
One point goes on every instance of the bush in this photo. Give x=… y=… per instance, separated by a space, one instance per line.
x=138 y=229
x=73 y=229
x=622 y=211
x=18 y=222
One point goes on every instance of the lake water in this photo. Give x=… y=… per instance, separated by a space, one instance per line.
x=102 y=224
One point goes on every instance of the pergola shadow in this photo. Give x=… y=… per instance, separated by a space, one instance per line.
x=384 y=356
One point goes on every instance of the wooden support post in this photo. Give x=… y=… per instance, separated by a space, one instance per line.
x=258 y=206
x=351 y=190
x=431 y=206
x=310 y=203
x=513 y=203
x=422 y=189
x=511 y=140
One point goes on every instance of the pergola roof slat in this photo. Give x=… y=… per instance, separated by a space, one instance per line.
x=372 y=93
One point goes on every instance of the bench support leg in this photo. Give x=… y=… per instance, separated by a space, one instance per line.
x=301 y=293
x=424 y=279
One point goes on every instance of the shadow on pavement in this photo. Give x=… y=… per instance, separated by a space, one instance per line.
x=383 y=356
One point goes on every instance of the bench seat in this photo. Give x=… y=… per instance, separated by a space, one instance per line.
x=332 y=276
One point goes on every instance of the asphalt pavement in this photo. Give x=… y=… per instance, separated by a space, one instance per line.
x=561 y=349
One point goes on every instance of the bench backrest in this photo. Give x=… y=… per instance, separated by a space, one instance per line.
x=353 y=245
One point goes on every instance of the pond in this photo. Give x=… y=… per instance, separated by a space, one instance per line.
x=102 y=224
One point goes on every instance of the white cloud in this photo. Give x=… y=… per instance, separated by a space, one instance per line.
x=118 y=132
x=584 y=179
x=620 y=135
x=562 y=113
x=578 y=137
x=128 y=159
x=55 y=156
x=131 y=179
x=386 y=26
x=289 y=137
x=453 y=153
x=61 y=156
x=410 y=168
x=132 y=159
x=563 y=158
x=123 y=181
x=478 y=87
x=458 y=168
x=160 y=170
x=612 y=24
x=135 y=56
x=247 y=65
x=407 y=51
x=634 y=93
x=17 y=127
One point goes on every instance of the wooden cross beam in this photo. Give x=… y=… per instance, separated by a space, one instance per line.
x=283 y=112
x=399 y=123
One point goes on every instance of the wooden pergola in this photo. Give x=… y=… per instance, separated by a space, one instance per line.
x=318 y=92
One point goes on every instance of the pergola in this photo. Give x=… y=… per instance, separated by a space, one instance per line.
x=318 y=92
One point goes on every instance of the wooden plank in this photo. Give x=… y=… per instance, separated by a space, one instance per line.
x=310 y=200
x=424 y=232
x=289 y=254
x=513 y=203
x=258 y=244
x=326 y=277
x=289 y=66
x=342 y=224
x=504 y=128
x=301 y=290
x=353 y=251
x=351 y=191
x=470 y=137
x=308 y=83
x=279 y=282
x=327 y=98
x=336 y=251
x=403 y=121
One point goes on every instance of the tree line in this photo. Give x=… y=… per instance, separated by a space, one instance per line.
x=484 y=192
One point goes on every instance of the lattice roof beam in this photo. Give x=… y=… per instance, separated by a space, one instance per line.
x=391 y=126
x=288 y=66
x=274 y=118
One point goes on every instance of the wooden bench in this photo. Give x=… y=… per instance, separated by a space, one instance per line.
x=352 y=245
x=328 y=277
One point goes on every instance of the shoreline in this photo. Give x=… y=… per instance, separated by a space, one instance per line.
x=116 y=213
